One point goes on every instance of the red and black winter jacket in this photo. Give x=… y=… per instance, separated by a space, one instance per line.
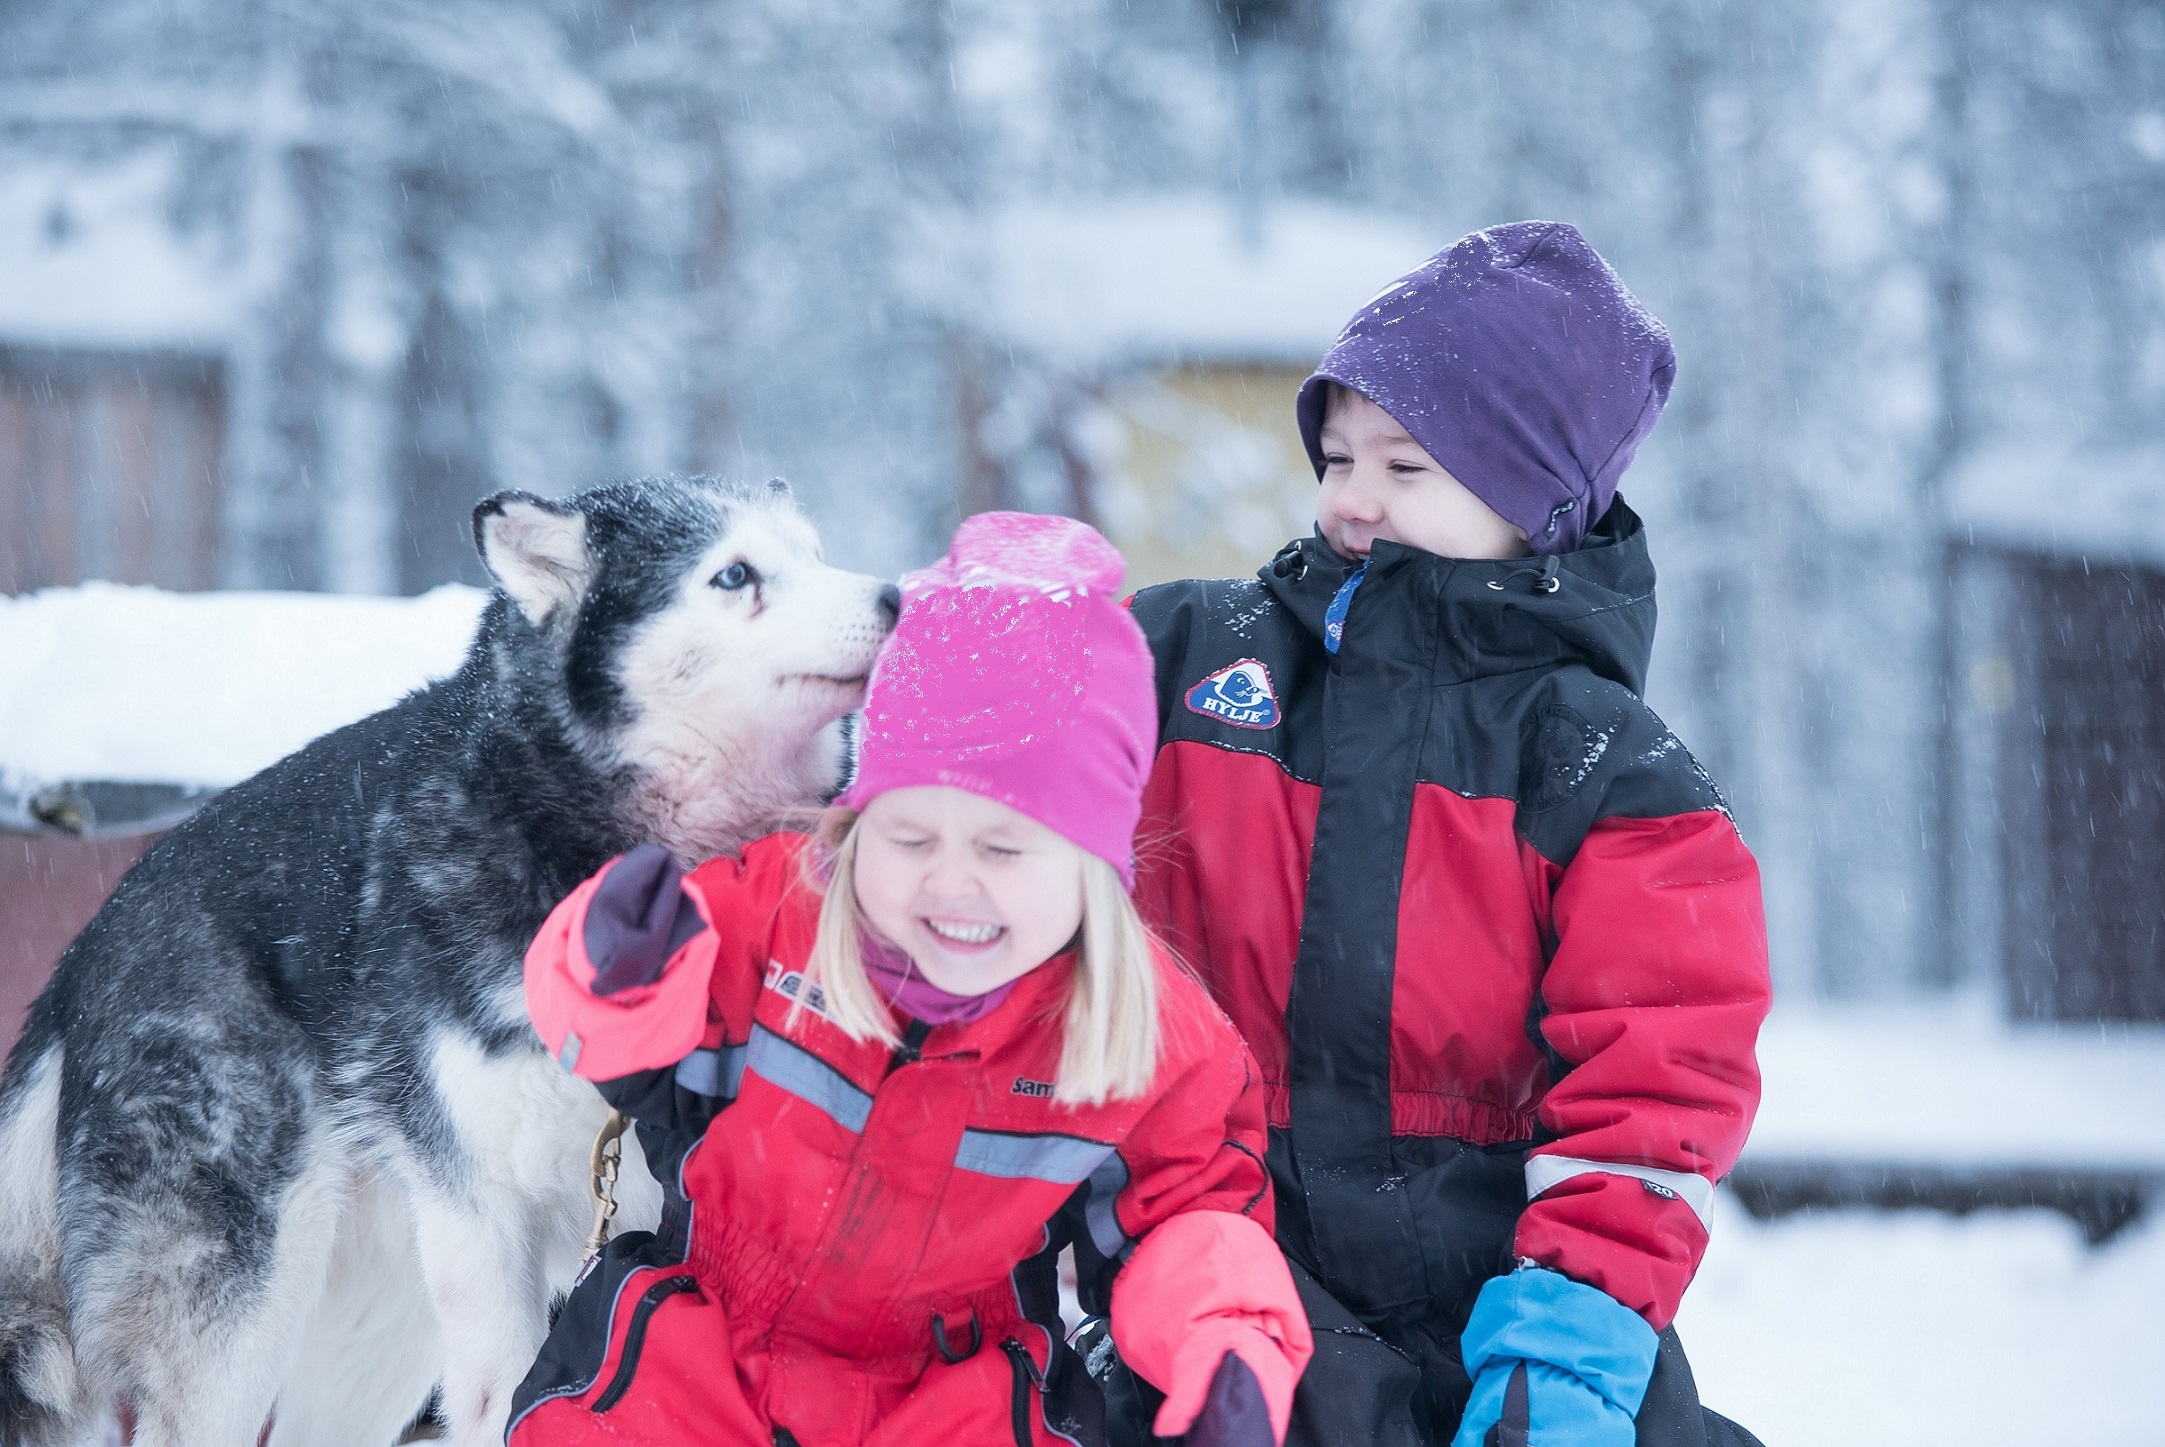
x=873 y=1230
x=1486 y=924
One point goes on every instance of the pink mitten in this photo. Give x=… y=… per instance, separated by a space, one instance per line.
x=643 y=1005
x=1201 y=1285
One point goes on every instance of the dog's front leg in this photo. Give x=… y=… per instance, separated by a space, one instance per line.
x=501 y=1232
x=369 y=1358
x=487 y=1282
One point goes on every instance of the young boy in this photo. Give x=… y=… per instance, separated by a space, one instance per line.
x=1486 y=924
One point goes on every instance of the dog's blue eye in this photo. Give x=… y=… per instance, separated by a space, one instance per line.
x=739 y=574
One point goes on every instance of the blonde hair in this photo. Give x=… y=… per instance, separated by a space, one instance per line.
x=1110 y=1045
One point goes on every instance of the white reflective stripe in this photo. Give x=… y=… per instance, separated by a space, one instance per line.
x=788 y=1065
x=1697 y=1192
x=1064 y=1160
x=715 y=1073
x=1100 y=1211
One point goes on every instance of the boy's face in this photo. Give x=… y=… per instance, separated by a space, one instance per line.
x=1379 y=483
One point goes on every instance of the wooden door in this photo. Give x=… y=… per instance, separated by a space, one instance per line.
x=109 y=468
x=2085 y=781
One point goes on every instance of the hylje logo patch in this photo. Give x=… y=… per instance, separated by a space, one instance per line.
x=1239 y=694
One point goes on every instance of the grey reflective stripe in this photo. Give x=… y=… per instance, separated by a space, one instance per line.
x=568 y=1057
x=1106 y=1184
x=812 y=1080
x=1697 y=1192
x=715 y=1073
x=1062 y=1159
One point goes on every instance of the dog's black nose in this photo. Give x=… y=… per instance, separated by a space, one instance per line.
x=890 y=606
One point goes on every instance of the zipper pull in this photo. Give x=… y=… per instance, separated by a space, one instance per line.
x=912 y=1048
x=1025 y=1364
x=1334 y=617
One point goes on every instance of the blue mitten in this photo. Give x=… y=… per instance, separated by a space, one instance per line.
x=1554 y=1364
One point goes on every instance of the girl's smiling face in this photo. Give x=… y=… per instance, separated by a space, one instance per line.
x=1379 y=483
x=975 y=893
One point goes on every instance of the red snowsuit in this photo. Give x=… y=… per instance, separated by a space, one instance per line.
x=872 y=1230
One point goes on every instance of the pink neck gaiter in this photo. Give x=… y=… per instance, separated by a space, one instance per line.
x=895 y=977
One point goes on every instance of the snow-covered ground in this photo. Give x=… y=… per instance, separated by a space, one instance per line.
x=1912 y=1329
x=1906 y=1328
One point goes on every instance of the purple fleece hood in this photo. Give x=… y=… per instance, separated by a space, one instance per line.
x=1519 y=361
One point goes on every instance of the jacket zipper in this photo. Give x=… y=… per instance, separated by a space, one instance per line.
x=635 y=1337
x=912 y=1048
x=1026 y=1376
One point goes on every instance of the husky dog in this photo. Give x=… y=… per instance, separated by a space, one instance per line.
x=279 y=1149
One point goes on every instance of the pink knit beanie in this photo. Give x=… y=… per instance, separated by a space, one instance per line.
x=1015 y=673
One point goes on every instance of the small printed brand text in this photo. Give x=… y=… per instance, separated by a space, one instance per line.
x=792 y=983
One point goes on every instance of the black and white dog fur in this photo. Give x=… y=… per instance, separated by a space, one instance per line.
x=279 y=1150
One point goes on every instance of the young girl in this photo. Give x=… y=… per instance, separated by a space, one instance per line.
x=895 y=1068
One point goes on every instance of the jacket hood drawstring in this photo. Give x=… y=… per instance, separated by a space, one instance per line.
x=1548 y=578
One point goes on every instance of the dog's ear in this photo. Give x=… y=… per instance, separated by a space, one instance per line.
x=536 y=549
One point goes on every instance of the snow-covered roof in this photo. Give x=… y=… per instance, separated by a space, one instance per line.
x=92 y=257
x=1194 y=277
x=108 y=682
x=2097 y=504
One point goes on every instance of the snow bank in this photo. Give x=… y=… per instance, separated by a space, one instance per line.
x=1909 y=1329
x=110 y=682
x=1191 y=278
x=91 y=257
x=1959 y=1087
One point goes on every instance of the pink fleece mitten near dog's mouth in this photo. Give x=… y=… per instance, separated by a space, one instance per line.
x=616 y=978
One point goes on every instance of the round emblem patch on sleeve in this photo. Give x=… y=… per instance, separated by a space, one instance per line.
x=1239 y=694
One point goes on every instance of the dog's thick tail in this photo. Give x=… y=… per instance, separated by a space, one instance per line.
x=39 y=1387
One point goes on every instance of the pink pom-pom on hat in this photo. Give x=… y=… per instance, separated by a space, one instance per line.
x=1014 y=673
